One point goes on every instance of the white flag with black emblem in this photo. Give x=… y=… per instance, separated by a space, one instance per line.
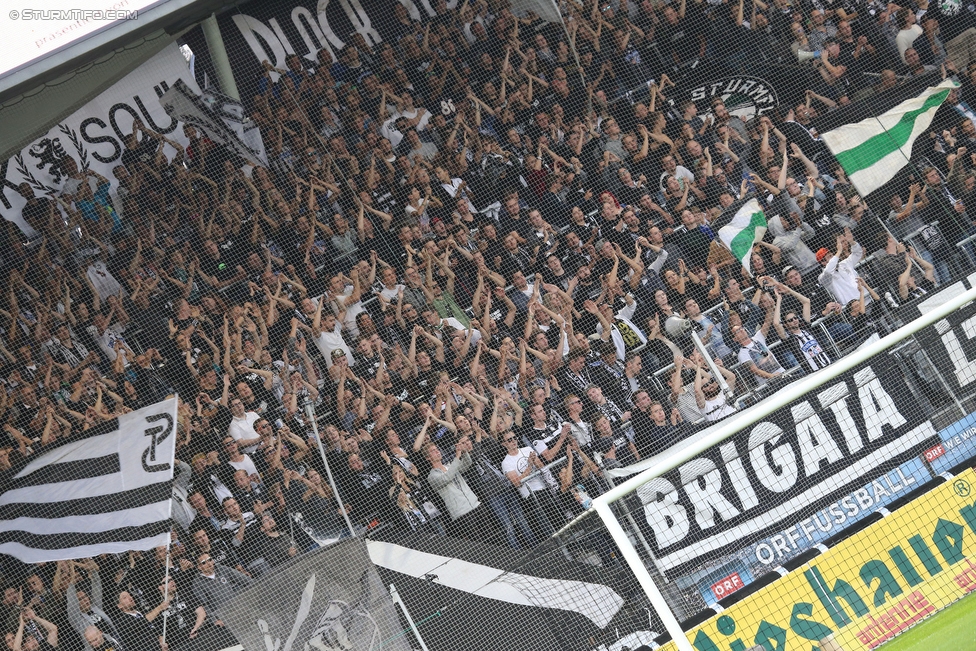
x=108 y=492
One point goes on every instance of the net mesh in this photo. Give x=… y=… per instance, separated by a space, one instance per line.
x=428 y=278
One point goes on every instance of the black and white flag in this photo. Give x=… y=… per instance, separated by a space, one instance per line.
x=182 y=104
x=105 y=493
x=329 y=599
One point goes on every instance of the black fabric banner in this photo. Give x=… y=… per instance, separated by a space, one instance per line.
x=781 y=470
x=951 y=342
x=269 y=31
x=331 y=598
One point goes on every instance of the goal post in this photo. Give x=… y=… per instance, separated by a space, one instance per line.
x=603 y=505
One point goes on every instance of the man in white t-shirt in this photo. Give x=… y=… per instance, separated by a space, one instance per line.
x=237 y=459
x=242 y=426
x=346 y=299
x=908 y=31
x=711 y=400
x=671 y=168
x=519 y=463
x=327 y=332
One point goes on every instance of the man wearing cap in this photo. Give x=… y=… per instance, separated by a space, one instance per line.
x=839 y=273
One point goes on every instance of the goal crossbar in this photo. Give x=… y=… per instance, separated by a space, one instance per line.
x=729 y=428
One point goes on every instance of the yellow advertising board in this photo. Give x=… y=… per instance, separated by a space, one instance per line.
x=865 y=590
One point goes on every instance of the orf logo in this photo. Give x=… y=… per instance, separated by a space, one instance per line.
x=724 y=587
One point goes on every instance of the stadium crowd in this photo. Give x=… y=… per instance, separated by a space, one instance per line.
x=461 y=262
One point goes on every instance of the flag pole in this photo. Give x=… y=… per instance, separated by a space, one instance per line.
x=892 y=235
x=169 y=541
x=310 y=414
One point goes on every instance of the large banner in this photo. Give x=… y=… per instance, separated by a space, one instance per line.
x=105 y=491
x=868 y=588
x=809 y=469
x=270 y=31
x=93 y=135
x=951 y=342
x=331 y=598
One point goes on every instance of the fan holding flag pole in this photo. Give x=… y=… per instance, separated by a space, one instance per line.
x=739 y=227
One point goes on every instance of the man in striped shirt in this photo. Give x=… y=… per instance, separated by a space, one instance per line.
x=804 y=346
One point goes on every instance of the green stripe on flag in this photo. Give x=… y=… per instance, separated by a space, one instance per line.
x=744 y=239
x=877 y=147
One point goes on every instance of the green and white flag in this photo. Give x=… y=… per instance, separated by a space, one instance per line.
x=873 y=150
x=739 y=227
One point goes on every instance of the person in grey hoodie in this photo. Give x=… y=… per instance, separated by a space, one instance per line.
x=84 y=609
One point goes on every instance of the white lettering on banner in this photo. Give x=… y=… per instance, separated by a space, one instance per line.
x=301 y=17
x=766 y=460
x=360 y=21
x=334 y=38
x=816 y=443
x=268 y=42
x=876 y=405
x=965 y=367
x=835 y=399
x=780 y=512
x=704 y=494
x=251 y=29
x=779 y=463
x=93 y=135
x=744 y=96
x=280 y=35
x=737 y=473
x=668 y=519
x=836 y=514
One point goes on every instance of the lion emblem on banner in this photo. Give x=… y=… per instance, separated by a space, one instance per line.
x=50 y=156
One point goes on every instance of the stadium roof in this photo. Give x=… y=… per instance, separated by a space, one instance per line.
x=53 y=63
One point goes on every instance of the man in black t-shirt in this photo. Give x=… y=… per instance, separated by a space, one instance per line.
x=179 y=615
x=137 y=630
x=654 y=432
x=675 y=34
